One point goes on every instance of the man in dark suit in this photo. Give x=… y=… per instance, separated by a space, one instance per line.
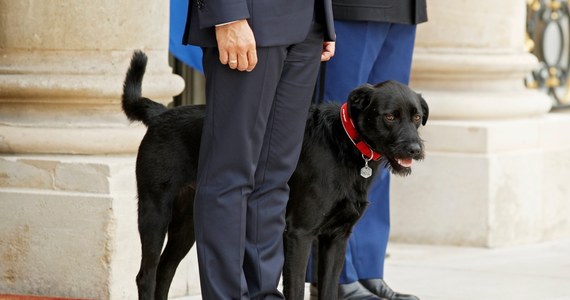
x=375 y=42
x=261 y=59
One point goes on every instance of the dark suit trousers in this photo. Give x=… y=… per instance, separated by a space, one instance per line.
x=251 y=143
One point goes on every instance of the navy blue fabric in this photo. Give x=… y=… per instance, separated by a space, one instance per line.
x=390 y=11
x=368 y=52
x=273 y=22
x=251 y=143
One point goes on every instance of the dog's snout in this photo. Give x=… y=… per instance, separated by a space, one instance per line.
x=414 y=149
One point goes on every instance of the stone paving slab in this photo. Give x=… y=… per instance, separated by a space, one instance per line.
x=537 y=272
x=529 y=272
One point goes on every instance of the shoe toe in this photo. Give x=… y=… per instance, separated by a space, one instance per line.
x=355 y=291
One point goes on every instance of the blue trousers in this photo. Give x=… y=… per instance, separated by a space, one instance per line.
x=368 y=52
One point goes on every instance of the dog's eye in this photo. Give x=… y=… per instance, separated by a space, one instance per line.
x=389 y=117
x=417 y=118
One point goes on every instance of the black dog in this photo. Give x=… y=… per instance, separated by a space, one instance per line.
x=327 y=190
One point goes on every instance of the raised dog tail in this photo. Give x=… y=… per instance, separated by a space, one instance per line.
x=136 y=107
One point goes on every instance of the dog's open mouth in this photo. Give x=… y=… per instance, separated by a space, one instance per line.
x=405 y=162
x=401 y=166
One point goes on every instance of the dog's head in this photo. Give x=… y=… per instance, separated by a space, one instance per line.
x=387 y=116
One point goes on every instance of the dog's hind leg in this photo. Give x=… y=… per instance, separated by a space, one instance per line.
x=297 y=250
x=331 y=259
x=180 y=240
x=154 y=217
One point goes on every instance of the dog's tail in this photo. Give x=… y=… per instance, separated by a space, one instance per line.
x=136 y=107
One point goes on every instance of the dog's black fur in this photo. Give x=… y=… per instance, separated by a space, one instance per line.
x=327 y=195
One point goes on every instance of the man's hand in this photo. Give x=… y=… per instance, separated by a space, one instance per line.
x=236 y=44
x=328 y=51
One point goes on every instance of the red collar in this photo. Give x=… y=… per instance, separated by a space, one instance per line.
x=350 y=130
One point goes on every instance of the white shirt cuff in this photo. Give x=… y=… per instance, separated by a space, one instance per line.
x=227 y=23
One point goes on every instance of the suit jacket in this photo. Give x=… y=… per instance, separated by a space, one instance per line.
x=274 y=22
x=392 y=11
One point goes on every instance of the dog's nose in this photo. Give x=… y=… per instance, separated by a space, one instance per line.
x=414 y=149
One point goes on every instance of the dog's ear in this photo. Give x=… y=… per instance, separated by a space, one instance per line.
x=359 y=98
x=425 y=109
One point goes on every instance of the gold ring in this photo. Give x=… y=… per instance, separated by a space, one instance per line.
x=233 y=62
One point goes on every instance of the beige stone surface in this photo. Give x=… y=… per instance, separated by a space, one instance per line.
x=74 y=140
x=69 y=219
x=39 y=173
x=26 y=174
x=54 y=243
x=67 y=199
x=83 y=24
x=444 y=201
x=62 y=66
x=556 y=194
x=495 y=155
x=470 y=61
x=487 y=25
x=482 y=104
x=528 y=272
x=490 y=184
x=75 y=234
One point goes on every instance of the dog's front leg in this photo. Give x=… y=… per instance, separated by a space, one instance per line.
x=297 y=250
x=331 y=259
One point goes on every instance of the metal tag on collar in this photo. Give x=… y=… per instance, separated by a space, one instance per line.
x=366 y=171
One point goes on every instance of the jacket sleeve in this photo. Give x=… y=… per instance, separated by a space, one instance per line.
x=212 y=12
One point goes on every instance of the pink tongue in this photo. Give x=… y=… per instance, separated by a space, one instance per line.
x=405 y=162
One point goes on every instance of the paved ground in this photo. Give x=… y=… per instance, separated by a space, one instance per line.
x=537 y=272
x=532 y=272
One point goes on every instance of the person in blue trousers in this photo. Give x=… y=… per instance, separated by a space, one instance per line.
x=375 y=42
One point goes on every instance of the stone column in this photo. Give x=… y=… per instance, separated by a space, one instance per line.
x=67 y=152
x=471 y=61
x=490 y=177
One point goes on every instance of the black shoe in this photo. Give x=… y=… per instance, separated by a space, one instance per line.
x=380 y=288
x=355 y=291
x=351 y=291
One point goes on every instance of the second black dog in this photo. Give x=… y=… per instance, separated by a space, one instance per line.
x=341 y=148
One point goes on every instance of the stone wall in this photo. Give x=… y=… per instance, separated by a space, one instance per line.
x=67 y=152
x=496 y=159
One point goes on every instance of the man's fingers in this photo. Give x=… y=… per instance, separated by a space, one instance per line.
x=242 y=62
x=235 y=42
x=328 y=51
x=224 y=57
x=252 y=60
x=233 y=61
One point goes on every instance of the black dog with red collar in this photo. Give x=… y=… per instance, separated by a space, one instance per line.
x=327 y=190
